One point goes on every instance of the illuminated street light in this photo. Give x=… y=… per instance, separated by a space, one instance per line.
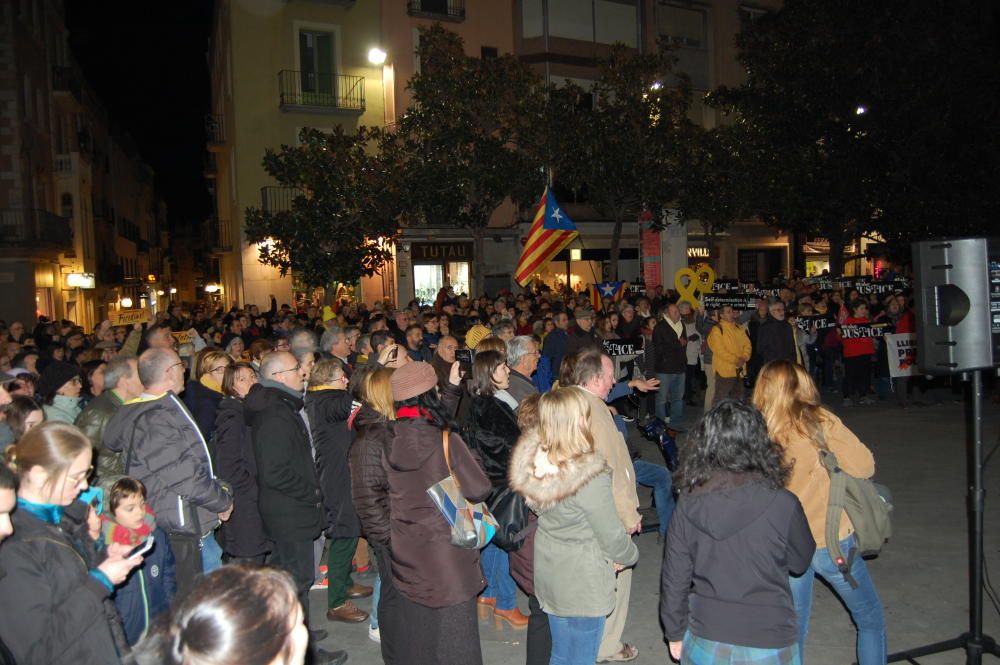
x=376 y=56
x=211 y=288
x=173 y=290
x=126 y=302
x=861 y=110
x=656 y=85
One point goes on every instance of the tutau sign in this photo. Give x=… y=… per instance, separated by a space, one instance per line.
x=435 y=252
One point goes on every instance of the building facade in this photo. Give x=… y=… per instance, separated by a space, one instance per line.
x=81 y=228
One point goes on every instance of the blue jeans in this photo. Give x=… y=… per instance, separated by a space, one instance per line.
x=575 y=640
x=211 y=554
x=376 y=594
x=658 y=478
x=863 y=603
x=672 y=390
x=499 y=583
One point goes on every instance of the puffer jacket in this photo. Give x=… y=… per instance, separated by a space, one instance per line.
x=369 y=483
x=92 y=421
x=728 y=343
x=290 y=501
x=243 y=535
x=53 y=611
x=329 y=411
x=147 y=592
x=426 y=567
x=491 y=433
x=579 y=536
x=160 y=445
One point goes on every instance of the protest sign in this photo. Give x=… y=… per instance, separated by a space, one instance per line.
x=183 y=337
x=902 y=348
x=128 y=317
x=740 y=301
x=623 y=347
x=861 y=330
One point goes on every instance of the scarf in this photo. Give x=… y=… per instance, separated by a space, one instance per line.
x=46 y=512
x=268 y=383
x=412 y=412
x=113 y=532
x=209 y=382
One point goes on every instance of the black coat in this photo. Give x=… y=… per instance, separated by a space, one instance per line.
x=369 y=483
x=578 y=341
x=328 y=413
x=775 y=341
x=52 y=610
x=243 y=535
x=671 y=357
x=491 y=432
x=203 y=403
x=731 y=546
x=289 y=497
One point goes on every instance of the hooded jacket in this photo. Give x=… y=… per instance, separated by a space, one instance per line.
x=161 y=446
x=53 y=611
x=369 y=483
x=329 y=411
x=579 y=536
x=243 y=535
x=731 y=546
x=289 y=497
x=147 y=592
x=728 y=343
x=426 y=567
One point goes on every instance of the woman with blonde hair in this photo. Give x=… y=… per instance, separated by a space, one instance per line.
x=580 y=543
x=203 y=392
x=370 y=491
x=798 y=423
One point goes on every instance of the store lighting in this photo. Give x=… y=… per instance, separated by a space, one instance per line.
x=211 y=288
x=376 y=56
x=159 y=292
x=126 y=302
x=173 y=290
x=576 y=255
x=80 y=280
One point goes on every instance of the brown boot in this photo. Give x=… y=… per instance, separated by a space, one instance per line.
x=513 y=617
x=359 y=591
x=348 y=613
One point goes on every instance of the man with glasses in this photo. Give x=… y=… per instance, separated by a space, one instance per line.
x=522 y=359
x=161 y=446
x=775 y=336
x=290 y=500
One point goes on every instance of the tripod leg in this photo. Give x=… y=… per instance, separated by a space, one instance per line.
x=937 y=647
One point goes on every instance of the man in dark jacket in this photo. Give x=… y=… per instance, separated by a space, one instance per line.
x=522 y=359
x=161 y=447
x=291 y=504
x=554 y=347
x=121 y=384
x=670 y=344
x=582 y=336
x=775 y=337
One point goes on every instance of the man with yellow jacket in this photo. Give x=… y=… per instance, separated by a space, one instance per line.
x=730 y=352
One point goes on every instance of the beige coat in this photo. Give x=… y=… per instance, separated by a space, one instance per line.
x=609 y=443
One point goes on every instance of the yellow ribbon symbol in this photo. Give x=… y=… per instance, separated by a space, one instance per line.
x=698 y=281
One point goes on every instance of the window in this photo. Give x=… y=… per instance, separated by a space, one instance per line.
x=488 y=52
x=571 y=19
x=615 y=21
x=749 y=15
x=532 y=20
x=67 y=206
x=316 y=61
x=687 y=29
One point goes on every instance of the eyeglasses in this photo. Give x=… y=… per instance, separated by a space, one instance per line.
x=77 y=380
x=220 y=368
x=176 y=365
x=290 y=369
x=77 y=478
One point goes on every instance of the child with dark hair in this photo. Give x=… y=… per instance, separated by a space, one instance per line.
x=149 y=589
x=735 y=537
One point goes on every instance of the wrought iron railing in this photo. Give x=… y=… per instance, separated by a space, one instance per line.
x=312 y=89
x=27 y=227
x=448 y=9
x=215 y=128
x=277 y=199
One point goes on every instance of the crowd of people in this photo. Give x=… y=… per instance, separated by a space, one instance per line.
x=164 y=478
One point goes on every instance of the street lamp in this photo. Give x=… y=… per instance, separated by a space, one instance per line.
x=861 y=110
x=126 y=302
x=376 y=56
x=211 y=288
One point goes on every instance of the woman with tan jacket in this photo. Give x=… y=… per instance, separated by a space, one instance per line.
x=787 y=396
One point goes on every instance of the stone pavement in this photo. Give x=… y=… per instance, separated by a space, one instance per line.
x=921 y=574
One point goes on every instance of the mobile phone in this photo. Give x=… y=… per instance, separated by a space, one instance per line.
x=464 y=358
x=142 y=548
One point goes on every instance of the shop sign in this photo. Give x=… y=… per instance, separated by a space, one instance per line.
x=434 y=252
x=703 y=253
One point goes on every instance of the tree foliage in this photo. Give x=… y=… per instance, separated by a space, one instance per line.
x=861 y=118
x=342 y=203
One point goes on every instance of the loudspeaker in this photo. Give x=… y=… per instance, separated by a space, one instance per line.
x=957 y=307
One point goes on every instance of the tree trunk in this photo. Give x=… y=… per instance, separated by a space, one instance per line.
x=836 y=255
x=616 y=241
x=480 y=263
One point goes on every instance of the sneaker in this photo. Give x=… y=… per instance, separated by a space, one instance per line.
x=321 y=584
x=323 y=568
x=374 y=635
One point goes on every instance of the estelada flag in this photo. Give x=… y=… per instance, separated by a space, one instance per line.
x=551 y=230
x=598 y=292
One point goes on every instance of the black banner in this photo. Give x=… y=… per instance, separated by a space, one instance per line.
x=740 y=301
x=623 y=347
x=861 y=331
x=821 y=322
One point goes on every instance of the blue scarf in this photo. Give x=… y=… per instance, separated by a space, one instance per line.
x=46 y=512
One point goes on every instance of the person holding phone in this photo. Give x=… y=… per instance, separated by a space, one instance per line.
x=147 y=593
x=57 y=583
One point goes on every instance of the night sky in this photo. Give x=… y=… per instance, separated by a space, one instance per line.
x=147 y=61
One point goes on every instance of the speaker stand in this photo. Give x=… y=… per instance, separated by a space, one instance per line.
x=974 y=642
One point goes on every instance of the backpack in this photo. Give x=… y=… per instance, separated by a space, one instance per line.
x=869 y=506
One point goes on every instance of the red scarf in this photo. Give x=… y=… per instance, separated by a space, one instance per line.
x=413 y=412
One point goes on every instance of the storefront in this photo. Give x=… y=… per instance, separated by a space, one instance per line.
x=439 y=264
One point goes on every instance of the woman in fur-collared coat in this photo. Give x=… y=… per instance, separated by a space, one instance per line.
x=580 y=543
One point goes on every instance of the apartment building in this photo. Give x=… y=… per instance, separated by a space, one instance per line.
x=81 y=229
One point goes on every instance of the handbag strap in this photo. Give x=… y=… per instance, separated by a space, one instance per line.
x=447 y=457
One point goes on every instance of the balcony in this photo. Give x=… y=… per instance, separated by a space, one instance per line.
x=439 y=10
x=321 y=93
x=211 y=166
x=215 y=129
x=65 y=81
x=30 y=229
x=277 y=199
x=222 y=243
x=63 y=164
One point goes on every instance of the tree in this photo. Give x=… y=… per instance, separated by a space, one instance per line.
x=342 y=209
x=865 y=119
x=624 y=149
x=457 y=147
